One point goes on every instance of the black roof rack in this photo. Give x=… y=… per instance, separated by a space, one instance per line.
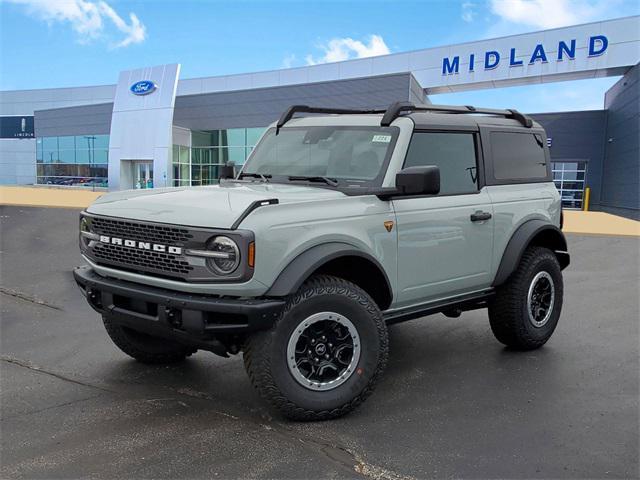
x=292 y=110
x=397 y=108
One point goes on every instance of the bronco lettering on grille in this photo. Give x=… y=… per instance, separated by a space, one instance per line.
x=156 y=247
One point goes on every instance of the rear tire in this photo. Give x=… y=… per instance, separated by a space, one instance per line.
x=145 y=348
x=323 y=356
x=525 y=311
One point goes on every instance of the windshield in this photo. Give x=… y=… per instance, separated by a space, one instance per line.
x=345 y=155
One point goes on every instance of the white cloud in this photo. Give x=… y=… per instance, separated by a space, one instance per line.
x=288 y=61
x=548 y=13
x=339 y=49
x=135 y=32
x=468 y=11
x=89 y=19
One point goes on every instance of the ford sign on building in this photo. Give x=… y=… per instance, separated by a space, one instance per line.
x=153 y=129
x=143 y=87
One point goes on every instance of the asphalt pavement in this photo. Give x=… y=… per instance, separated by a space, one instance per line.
x=452 y=403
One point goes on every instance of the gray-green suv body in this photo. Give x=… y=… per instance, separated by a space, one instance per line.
x=336 y=226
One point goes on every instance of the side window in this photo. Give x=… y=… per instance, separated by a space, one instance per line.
x=454 y=153
x=518 y=156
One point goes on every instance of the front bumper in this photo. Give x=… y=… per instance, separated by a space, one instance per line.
x=193 y=319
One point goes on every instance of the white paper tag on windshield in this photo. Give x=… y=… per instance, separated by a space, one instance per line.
x=381 y=138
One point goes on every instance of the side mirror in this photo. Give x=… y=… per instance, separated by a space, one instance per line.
x=418 y=180
x=227 y=171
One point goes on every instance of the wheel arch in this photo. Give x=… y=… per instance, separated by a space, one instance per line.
x=339 y=259
x=531 y=233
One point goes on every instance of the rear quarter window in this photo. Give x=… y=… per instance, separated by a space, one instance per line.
x=518 y=156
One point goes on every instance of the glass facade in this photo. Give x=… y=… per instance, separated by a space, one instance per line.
x=181 y=160
x=72 y=160
x=570 y=178
x=82 y=160
x=200 y=164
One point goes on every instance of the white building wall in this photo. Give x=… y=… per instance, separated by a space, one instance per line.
x=141 y=125
x=17 y=161
x=25 y=102
x=181 y=136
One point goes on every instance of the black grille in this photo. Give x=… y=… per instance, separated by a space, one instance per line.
x=166 y=263
x=140 y=231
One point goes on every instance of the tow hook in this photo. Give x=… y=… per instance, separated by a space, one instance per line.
x=94 y=298
x=173 y=317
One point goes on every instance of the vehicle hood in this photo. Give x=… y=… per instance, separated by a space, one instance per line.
x=215 y=206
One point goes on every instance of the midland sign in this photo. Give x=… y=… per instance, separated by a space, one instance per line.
x=592 y=50
x=564 y=50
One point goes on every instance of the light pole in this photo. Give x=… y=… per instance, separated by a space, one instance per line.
x=91 y=143
x=90 y=146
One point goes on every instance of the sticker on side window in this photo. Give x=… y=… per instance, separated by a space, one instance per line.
x=381 y=139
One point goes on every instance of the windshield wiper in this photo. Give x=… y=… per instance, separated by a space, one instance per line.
x=328 y=180
x=264 y=177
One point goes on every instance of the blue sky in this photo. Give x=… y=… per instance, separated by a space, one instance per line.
x=60 y=43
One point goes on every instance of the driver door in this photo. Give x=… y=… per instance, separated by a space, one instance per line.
x=444 y=241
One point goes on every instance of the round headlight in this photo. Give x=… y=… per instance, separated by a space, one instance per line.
x=229 y=255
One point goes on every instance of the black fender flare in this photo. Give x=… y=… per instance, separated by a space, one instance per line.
x=302 y=266
x=522 y=238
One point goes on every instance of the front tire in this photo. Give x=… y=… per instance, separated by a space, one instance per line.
x=525 y=311
x=323 y=356
x=145 y=348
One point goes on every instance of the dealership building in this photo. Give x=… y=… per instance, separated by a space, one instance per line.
x=154 y=129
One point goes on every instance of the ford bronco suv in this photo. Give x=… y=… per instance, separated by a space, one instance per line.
x=337 y=225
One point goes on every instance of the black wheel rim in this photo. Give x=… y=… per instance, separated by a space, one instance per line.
x=540 y=299
x=323 y=351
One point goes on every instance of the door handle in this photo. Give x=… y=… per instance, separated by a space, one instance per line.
x=480 y=216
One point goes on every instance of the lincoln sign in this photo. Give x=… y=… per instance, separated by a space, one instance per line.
x=491 y=59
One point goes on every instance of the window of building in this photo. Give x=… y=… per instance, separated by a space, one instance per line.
x=570 y=178
x=518 y=156
x=80 y=160
x=453 y=153
x=181 y=163
x=211 y=149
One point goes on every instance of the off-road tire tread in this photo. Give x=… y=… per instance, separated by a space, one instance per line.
x=256 y=358
x=505 y=309
x=122 y=341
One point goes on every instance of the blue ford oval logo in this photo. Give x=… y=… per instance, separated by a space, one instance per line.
x=143 y=87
